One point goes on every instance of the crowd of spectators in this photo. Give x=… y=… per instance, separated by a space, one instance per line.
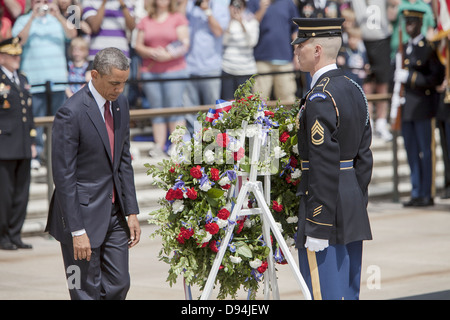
x=222 y=40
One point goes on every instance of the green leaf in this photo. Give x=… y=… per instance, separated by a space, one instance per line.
x=243 y=249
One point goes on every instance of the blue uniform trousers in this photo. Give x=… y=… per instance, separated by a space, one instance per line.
x=334 y=273
x=417 y=136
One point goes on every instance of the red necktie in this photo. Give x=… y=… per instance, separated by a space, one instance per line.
x=110 y=129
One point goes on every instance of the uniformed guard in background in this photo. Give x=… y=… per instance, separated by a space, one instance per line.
x=17 y=134
x=422 y=73
x=334 y=138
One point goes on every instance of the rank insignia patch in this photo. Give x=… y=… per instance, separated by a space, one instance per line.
x=317 y=211
x=317 y=133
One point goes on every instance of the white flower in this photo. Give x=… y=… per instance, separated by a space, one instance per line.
x=290 y=126
x=279 y=226
x=222 y=223
x=248 y=223
x=207 y=236
x=251 y=131
x=295 y=148
x=259 y=114
x=205 y=187
x=209 y=156
x=290 y=242
x=255 y=263
x=224 y=180
x=235 y=259
x=296 y=174
x=292 y=219
x=279 y=153
x=177 y=206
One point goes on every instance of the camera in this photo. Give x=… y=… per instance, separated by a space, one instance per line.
x=236 y=4
x=43 y=8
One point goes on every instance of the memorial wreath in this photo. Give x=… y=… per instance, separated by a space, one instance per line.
x=200 y=179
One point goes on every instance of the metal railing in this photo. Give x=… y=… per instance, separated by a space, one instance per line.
x=141 y=114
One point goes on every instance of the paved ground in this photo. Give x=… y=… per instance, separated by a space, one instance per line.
x=408 y=258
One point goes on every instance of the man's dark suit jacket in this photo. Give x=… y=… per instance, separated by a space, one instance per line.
x=83 y=170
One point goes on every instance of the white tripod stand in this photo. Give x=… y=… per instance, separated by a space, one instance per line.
x=268 y=222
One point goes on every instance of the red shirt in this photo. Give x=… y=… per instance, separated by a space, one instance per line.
x=161 y=34
x=8 y=15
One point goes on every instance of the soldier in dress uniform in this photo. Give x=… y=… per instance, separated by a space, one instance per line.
x=422 y=73
x=334 y=138
x=17 y=146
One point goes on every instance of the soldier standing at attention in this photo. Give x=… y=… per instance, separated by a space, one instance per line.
x=17 y=146
x=334 y=138
x=423 y=72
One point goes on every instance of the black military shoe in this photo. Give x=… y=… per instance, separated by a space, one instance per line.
x=8 y=246
x=426 y=202
x=413 y=202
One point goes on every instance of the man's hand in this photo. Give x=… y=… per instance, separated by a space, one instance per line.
x=81 y=247
x=135 y=230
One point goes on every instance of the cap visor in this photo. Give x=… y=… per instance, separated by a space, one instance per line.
x=298 y=41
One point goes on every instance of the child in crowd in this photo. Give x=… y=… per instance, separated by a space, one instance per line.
x=78 y=66
x=353 y=57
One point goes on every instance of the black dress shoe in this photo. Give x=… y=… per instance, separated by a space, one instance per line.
x=426 y=202
x=414 y=202
x=21 y=245
x=8 y=246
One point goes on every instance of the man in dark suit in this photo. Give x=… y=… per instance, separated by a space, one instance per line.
x=17 y=145
x=423 y=72
x=93 y=208
x=334 y=138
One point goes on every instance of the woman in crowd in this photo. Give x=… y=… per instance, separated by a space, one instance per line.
x=162 y=41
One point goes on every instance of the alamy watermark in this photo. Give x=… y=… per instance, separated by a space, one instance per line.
x=74 y=18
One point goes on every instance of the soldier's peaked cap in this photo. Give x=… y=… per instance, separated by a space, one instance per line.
x=11 y=46
x=317 y=27
x=413 y=14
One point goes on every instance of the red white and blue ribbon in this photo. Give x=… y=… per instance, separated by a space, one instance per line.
x=211 y=115
x=220 y=106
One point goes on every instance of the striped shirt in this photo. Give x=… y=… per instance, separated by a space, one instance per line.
x=238 y=58
x=113 y=31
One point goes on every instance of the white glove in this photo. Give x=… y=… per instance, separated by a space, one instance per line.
x=314 y=244
x=401 y=75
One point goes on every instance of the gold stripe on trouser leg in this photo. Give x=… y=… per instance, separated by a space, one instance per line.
x=433 y=157
x=314 y=271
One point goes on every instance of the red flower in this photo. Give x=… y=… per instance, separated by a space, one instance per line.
x=223 y=214
x=180 y=239
x=226 y=186
x=178 y=194
x=277 y=207
x=172 y=170
x=184 y=234
x=170 y=195
x=212 y=228
x=284 y=136
x=239 y=154
x=263 y=267
x=240 y=225
x=174 y=194
x=213 y=247
x=214 y=174
x=196 y=172
x=222 y=140
x=269 y=113
x=191 y=193
x=294 y=161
